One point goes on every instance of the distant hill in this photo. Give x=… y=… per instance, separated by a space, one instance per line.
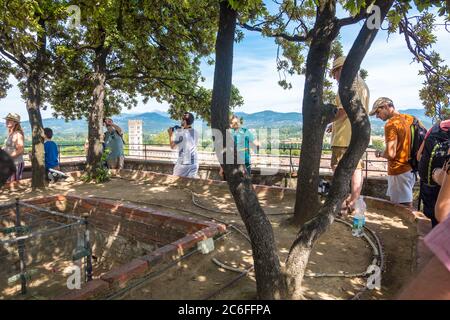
x=156 y=121
x=270 y=119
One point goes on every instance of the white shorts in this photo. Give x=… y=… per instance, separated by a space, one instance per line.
x=186 y=170
x=400 y=187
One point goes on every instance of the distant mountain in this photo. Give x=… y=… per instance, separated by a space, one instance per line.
x=156 y=121
x=270 y=119
x=153 y=122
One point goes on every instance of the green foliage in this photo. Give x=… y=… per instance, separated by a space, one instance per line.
x=154 y=50
x=293 y=27
x=378 y=144
x=5 y=71
x=101 y=173
x=363 y=73
x=25 y=29
x=201 y=104
x=160 y=138
x=419 y=33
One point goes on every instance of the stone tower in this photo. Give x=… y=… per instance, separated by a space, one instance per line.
x=135 y=138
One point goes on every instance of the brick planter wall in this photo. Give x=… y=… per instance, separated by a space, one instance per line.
x=177 y=235
x=373 y=186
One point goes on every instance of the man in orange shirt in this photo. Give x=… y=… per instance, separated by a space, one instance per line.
x=397 y=134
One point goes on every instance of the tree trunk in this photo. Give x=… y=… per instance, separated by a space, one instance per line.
x=96 y=114
x=313 y=229
x=33 y=103
x=269 y=280
x=315 y=115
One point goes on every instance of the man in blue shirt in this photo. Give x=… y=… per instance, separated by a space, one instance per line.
x=242 y=138
x=51 y=151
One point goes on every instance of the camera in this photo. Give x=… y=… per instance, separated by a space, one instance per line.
x=176 y=127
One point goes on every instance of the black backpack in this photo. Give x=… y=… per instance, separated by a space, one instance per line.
x=418 y=132
x=434 y=153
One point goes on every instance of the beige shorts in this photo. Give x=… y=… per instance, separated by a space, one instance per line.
x=116 y=163
x=336 y=155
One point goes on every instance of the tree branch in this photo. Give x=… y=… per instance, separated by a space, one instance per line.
x=17 y=57
x=11 y=57
x=295 y=38
x=417 y=50
x=363 y=14
x=143 y=77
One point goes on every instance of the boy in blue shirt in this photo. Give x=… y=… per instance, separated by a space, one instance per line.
x=51 y=151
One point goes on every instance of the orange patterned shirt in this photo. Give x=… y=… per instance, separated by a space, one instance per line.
x=399 y=127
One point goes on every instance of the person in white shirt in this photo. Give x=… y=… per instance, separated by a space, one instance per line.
x=185 y=139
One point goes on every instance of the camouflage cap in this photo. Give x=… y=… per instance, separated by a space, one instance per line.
x=378 y=103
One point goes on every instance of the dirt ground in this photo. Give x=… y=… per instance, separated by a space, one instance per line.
x=197 y=277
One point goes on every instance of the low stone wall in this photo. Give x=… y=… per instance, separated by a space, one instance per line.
x=373 y=186
x=68 y=166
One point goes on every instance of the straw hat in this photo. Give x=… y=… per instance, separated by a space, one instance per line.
x=13 y=116
x=337 y=63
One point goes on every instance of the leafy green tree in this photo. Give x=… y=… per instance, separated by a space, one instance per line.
x=319 y=27
x=26 y=27
x=129 y=48
x=308 y=33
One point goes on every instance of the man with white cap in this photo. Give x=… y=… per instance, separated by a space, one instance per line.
x=341 y=131
x=397 y=135
x=14 y=144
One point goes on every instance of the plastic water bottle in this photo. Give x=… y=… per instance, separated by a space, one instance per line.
x=359 y=218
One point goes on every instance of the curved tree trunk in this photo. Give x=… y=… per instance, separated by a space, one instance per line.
x=269 y=280
x=315 y=115
x=313 y=229
x=96 y=113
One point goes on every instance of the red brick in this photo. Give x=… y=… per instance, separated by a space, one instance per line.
x=41 y=200
x=121 y=275
x=60 y=197
x=91 y=289
x=164 y=254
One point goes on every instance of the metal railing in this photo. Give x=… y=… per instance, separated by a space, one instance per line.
x=285 y=156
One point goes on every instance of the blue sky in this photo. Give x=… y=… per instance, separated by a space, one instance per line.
x=389 y=63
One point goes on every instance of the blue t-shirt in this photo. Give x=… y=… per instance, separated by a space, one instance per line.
x=51 y=154
x=242 y=139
